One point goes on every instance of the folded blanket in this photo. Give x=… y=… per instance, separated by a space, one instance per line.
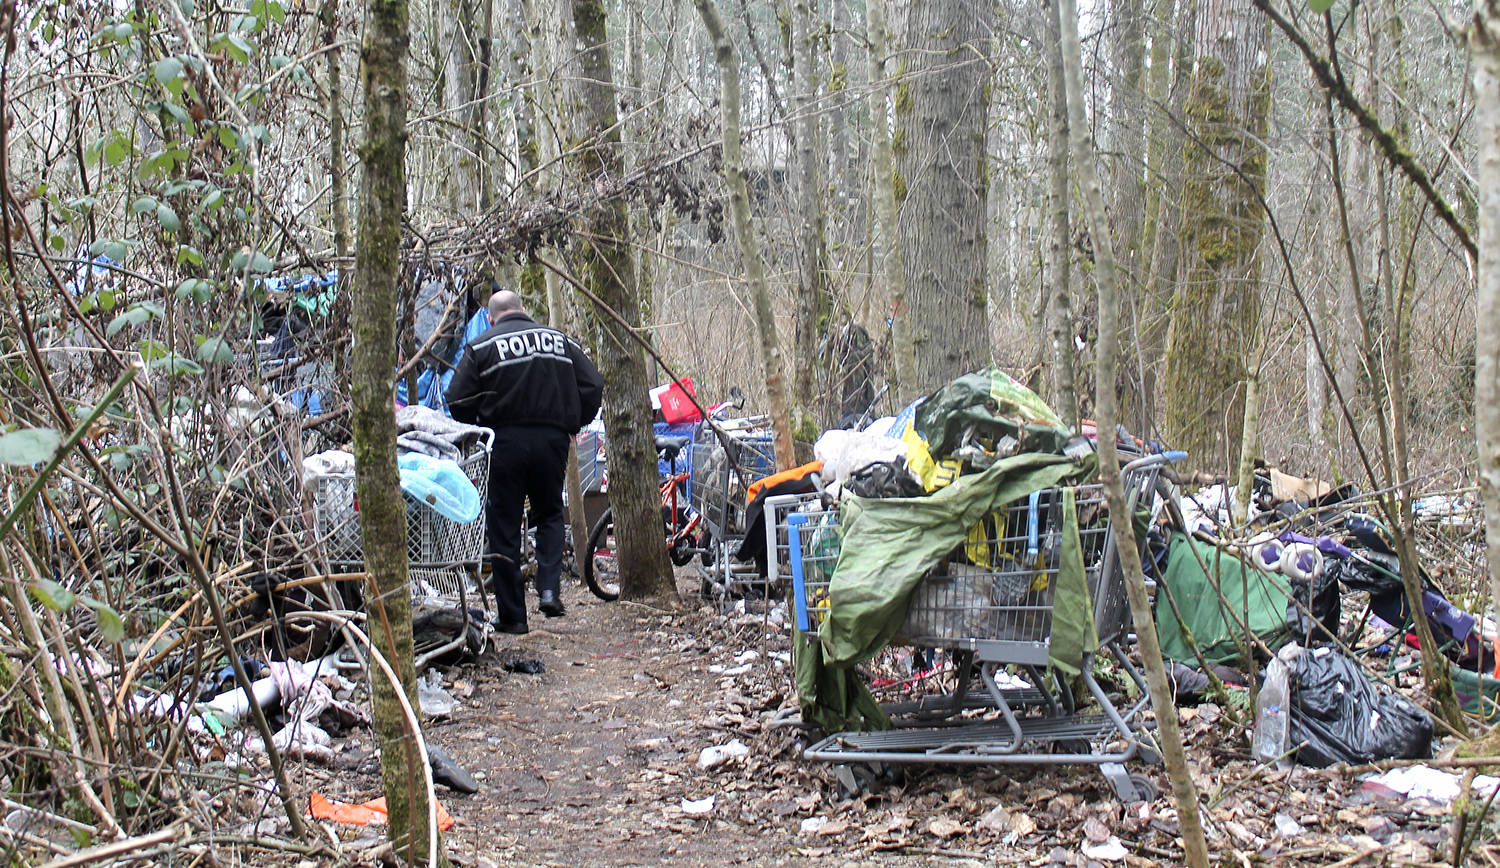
x=429 y=432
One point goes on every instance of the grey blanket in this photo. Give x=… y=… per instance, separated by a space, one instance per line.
x=424 y=430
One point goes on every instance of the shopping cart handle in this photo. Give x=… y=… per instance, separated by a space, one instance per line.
x=794 y=523
x=1175 y=455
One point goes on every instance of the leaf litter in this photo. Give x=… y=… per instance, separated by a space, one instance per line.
x=600 y=760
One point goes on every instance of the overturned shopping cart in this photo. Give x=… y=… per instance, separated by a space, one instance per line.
x=993 y=605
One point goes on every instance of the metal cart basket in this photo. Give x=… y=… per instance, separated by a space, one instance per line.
x=717 y=492
x=991 y=605
x=444 y=555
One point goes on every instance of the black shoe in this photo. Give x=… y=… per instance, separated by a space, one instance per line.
x=515 y=628
x=550 y=605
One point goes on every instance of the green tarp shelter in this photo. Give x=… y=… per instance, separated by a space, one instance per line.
x=1258 y=598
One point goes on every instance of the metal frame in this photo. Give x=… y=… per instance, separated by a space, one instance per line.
x=717 y=493
x=444 y=556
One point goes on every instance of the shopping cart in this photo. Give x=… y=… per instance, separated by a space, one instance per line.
x=720 y=476
x=444 y=556
x=991 y=606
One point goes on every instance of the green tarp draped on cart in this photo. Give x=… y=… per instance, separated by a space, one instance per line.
x=890 y=543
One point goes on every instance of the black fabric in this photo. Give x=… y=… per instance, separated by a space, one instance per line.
x=753 y=546
x=1321 y=597
x=1343 y=717
x=884 y=479
x=525 y=463
x=520 y=374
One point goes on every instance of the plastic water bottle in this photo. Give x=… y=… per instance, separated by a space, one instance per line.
x=1272 y=729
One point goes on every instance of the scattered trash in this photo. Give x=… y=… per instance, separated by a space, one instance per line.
x=433 y=699
x=698 y=807
x=812 y=825
x=717 y=755
x=1342 y=717
x=364 y=814
x=449 y=773
x=1111 y=850
x=522 y=665
x=1426 y=782
x=306 y=698
x=1272 y=708
x=721 y=669
x=1286 y=827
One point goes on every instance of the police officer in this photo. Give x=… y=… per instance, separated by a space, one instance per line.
x=535 y=388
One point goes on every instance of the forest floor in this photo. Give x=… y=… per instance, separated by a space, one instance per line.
x=590 y=763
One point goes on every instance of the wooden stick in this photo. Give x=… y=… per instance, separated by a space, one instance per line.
x=118 y=848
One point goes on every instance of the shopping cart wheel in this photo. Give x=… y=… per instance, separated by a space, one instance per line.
x=857 y=779
x=601 y=569
x=1145 y=788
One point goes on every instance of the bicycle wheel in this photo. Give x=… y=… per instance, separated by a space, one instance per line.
x=601 y=570
x=679 y=549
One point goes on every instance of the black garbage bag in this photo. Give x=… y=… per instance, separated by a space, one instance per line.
x=1343 y=717
x=1320 y=595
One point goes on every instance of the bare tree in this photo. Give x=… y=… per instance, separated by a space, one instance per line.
x=382 y=514
x=1183 y=791
x=1486 y=42
x=609 y=268
x=1216 y=308
x=940 y=157
x=744 y=230
x=1060 y=244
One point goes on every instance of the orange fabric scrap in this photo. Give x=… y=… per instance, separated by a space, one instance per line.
x=363 y=815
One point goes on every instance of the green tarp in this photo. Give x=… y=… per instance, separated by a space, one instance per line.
x=887 y=546
x=1255 y=597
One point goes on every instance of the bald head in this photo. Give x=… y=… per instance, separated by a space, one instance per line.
x=503 y=302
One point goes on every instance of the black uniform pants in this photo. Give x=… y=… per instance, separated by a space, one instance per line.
x=525 y=463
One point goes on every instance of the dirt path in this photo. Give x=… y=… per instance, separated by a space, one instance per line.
x=589 y=762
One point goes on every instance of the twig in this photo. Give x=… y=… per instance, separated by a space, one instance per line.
x=118 y=848
x=1397 y=155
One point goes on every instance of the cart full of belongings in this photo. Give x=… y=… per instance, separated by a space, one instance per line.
x=976 y=534
x=444 y=469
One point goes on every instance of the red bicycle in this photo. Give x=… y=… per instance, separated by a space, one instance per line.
x=680 y=523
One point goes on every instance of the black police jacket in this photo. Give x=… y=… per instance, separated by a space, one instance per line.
x=520 y=373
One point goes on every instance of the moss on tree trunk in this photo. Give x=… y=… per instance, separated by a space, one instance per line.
x=382 y=512
x=1216 y=307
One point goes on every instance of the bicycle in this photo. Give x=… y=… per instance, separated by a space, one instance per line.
x=680 y=525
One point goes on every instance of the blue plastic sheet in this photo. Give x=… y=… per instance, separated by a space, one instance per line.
x=441 y=485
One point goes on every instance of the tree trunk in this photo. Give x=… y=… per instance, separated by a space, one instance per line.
x=812 y=295
x=458 y=52
x=744 y=231
x=1216 y=308
x=1170 y=736
x=1163 y=211
x=382 y=512
x=478 y=115
x=940 y=158
x=1064 y=398
x=1127 y=122
x=609 y=271
x=329 y=17
x=888 y=238
x=1486 y=44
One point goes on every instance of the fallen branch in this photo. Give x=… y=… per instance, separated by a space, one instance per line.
x=118 y=848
